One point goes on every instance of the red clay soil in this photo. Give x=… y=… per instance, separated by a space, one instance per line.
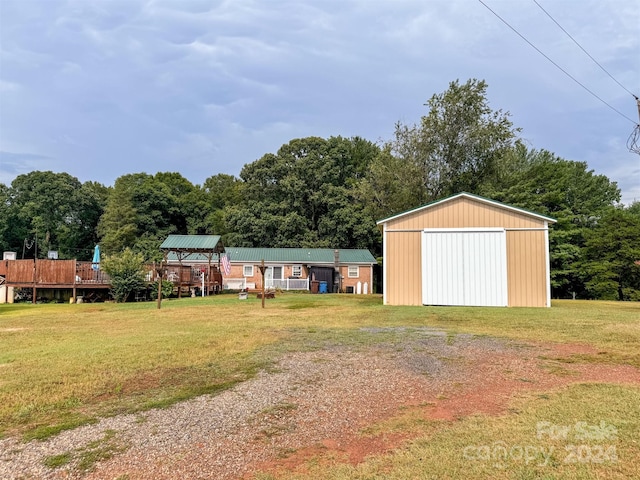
x=490 y=383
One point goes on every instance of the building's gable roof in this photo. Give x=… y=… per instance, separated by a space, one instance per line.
x=471 y=196
x=306 y=256
x=299 y=255
x=192 y=243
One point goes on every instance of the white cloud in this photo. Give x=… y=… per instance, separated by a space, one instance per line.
x=6 y=86
x=13 y=164
x=120 y=86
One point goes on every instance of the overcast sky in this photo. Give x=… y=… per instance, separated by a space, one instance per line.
x=102 y=88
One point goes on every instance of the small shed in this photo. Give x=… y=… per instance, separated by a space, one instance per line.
x=466 y=250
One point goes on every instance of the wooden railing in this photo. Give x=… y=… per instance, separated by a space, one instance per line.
x=52 y=273
x=72 y=273
x=90 y=273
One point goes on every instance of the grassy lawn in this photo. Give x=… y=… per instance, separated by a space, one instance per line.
x=65 y=365
x=569 y=443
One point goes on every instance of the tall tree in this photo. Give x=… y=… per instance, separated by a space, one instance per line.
x=57 y=209
x=217 y=193
x=458 y=143
x=182 y=194
x=143 y=209
x=612 y=248
x=13 y=230
x=117 y=227
x=80 y=231
x=300 y=196
x=392 y=184
x=565 y=190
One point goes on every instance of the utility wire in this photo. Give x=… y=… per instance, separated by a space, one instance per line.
x=556 y=65
x=581 y=48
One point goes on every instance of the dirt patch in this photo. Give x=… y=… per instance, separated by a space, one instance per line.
x=491 y=379
x=568 y=349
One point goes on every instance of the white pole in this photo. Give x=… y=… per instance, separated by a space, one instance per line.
x=203 y=284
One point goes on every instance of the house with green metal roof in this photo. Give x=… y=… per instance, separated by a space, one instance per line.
x=334 y=270
x=324 y=269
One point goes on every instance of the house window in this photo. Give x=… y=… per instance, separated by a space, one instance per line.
x=247 y=270
x=296 y=271
x=354 y=271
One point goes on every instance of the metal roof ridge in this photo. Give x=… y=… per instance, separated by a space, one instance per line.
x=471 y=196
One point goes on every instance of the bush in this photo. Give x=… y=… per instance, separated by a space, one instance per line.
x=167 y=289
x=127 y=273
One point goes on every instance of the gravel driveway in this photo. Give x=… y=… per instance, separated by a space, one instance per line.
x=309 y=399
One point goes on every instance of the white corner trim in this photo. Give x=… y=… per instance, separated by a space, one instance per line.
x=547 y=262
x=384 y=264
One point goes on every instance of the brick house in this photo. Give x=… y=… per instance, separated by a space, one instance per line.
x=343 y=270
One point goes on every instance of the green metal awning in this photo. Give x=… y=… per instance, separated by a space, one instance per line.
x=207 y=244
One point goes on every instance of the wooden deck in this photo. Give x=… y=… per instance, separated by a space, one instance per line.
x=57 y=274
x=85 y=276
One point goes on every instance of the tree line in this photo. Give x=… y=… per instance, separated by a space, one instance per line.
x=329 y=192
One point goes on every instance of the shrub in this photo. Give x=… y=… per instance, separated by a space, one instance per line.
x=126 y=270
x=167 y=289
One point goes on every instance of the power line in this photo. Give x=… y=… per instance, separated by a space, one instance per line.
x=556 y=65
x=587 y=53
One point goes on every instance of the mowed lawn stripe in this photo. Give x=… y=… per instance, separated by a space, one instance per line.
x=64 y=365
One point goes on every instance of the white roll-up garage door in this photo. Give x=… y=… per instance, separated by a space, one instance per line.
x=464 y=267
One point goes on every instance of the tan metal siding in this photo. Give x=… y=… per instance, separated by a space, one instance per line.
x=464 y=213
x=404 y=273
x=526 y=269
x=526 y=250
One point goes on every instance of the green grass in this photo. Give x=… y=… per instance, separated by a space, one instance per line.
x=88 y=456
x=55 y=461
x=64 y=365
x=525 y=444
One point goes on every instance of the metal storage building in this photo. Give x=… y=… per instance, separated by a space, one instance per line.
x=466 y=250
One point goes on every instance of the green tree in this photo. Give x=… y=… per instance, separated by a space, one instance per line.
x=117 y=226
x=301 y=196
x=562 y=189
x=79 y=233
x=218 y=193
x=612 y=248
x=13 y=230
x=392 y=184
x=126 y=270
x=143 y=209
x=182 y=194
x=55 y=207
x=458 y=144
x=634 y=208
